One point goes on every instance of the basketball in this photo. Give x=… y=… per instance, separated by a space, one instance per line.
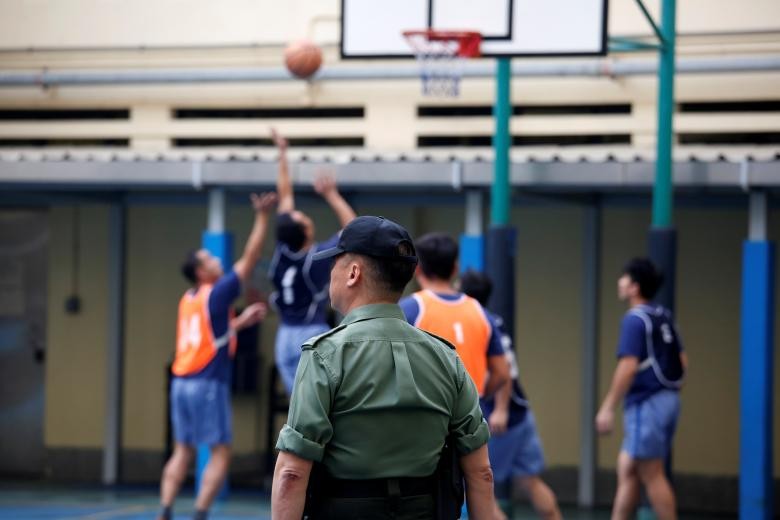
x=303 y=58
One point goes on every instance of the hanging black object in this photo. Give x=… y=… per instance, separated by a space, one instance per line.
x=73 y=302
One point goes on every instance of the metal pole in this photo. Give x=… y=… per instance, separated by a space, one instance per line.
x=757 y=225
x=602 y=67
x=216 y=211
x=662 y=191
x=586 y=493
x=662 y=238
x=113 y=425
x=499 y=215
x=501 y=241
x=474 y=212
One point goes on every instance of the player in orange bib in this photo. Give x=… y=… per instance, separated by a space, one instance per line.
x=205 y=344
x=460 y=319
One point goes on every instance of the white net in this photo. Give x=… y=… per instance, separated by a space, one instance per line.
x=441 y=65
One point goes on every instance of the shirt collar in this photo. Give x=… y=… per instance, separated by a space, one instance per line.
x=374 y=310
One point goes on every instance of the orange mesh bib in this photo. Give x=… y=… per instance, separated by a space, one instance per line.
x=195 y=342
x=462 y=322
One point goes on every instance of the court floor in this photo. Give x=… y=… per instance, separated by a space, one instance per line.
x=28 y=502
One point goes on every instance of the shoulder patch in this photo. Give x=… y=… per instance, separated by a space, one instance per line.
x=446 y=342
x=312 y=342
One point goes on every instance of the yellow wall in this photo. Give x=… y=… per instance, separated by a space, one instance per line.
x=158 y=237
x=707 y=313
x=548 y=321
x=75 y=353
x=623 y=235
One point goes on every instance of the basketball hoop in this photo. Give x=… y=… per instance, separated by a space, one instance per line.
x=441 y=55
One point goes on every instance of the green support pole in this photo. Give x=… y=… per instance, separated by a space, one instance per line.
x=499 y=194
x=662 y=191
x=662 y=238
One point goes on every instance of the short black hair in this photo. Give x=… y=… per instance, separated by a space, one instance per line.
x=477 y=285
x=391 y=275
x=438 y=253
x=643 y=272
x=189 y=266
x=289 y=232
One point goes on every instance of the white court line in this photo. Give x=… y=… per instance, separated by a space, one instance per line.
x=110 y=514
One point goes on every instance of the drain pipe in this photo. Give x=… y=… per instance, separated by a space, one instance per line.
x=479 y=69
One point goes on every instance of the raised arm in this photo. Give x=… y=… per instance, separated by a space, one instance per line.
x=325 y=185
x=251 y=315
x=284 y=187
x=262 y=205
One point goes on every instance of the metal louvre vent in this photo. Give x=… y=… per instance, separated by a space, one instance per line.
x=309 y=142
x=269 y=113
x=521 y=110
x=64 y=114
x=424 y=141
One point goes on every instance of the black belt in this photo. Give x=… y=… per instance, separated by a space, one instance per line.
x=379 y=487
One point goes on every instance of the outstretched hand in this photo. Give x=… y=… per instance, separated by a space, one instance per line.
x=250 y=316
x=278 y=139
x=263 y=202
x=255 y=313
x=325 y=183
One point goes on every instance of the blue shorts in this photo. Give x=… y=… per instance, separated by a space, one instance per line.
x=649 y=425
x=287 y=350
x=517 y=452
x=200 y=411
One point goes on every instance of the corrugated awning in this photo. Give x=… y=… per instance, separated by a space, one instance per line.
x=554 y=168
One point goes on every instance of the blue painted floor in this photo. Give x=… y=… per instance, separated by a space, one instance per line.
x=46 y=502
x=126 y=504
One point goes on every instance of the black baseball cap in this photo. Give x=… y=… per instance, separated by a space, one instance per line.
x=372 y=236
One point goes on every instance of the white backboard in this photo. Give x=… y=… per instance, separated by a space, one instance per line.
x=372 y=29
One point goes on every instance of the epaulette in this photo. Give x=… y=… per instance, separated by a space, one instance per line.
x=312 y=342
x=445 y=341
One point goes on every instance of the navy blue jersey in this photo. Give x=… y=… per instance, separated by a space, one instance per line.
x=225 y=290
x=648 y=333
x=301 y=295
x=518 y=404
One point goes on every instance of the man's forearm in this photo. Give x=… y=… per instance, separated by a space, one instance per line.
x=498 y=367
x=341 y=208
x=284 y=187
x=502 y=397
x=254 y=244
x=479 y=484
x=621 y=382
x=288 y=493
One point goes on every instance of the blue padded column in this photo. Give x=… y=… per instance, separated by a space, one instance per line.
x=220 y=244
x=756 y=366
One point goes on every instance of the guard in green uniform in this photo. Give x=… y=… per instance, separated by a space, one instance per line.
x=375 y=398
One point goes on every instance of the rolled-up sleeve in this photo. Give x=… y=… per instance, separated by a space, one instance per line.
x=467 y=423
x=308 y=427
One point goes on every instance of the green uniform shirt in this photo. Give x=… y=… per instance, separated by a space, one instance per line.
x=375 y=397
